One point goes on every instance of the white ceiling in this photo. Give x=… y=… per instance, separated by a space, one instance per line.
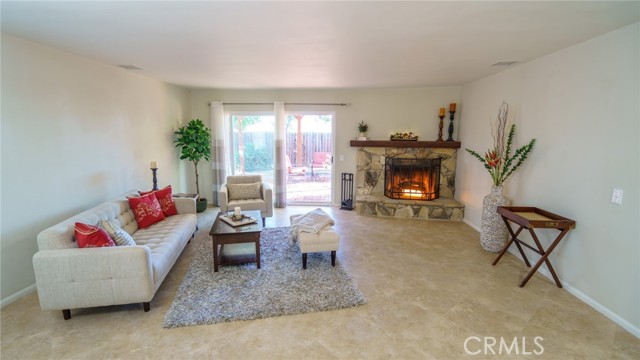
x=314 y=44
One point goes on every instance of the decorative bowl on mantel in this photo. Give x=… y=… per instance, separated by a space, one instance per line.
x=403 y=137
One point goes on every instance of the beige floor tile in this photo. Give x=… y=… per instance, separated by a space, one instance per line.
x=429 y=288
x=625 y=345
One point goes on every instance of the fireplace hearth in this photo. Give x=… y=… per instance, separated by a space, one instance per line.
x=412 y=179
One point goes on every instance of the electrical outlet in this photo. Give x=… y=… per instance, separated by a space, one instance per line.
x=616 y=196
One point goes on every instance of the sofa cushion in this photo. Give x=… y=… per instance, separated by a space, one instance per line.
x=253 y=204
x=116 y=233
x=244 y=191
x=244 y=179
x=165 y=241
x=165 y=198
x=146 y=210
x=91 y=236
x=325 y=240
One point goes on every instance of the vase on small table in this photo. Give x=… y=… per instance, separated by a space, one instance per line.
x=493 y=231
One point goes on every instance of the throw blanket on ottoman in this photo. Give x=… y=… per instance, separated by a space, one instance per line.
x=312 y=222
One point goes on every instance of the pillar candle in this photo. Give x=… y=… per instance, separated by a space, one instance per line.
x=452 y=107
x=236 y=211
x=154 y=165
x=441 y=111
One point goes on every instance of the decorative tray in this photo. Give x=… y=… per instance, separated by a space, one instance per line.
x=409 y=139
x=533 y=217
x=237 y=220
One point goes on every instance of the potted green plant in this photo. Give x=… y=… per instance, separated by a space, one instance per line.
x=363 y=127
x=194 y=141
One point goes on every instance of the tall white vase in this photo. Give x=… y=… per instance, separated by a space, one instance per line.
x=493 y=231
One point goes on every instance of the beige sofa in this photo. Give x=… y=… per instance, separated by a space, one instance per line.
x=68 y=277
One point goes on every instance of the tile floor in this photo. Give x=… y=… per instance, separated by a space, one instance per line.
x=429 y=286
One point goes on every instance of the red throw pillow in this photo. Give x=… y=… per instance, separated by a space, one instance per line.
x=165 y=198
x=146 y=209
x=92 y=236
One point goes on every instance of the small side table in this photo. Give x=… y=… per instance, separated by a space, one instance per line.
x=183 y=195
x=531 y=218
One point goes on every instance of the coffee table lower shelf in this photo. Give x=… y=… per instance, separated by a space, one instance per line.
x=233 y=254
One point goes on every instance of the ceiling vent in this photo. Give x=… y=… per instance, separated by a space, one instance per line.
x=505 y=63
x=130 y=67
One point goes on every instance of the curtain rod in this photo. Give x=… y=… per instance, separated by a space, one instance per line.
x=249 y=103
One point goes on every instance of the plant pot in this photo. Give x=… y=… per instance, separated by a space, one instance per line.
x=201 y=205
x=493 y=231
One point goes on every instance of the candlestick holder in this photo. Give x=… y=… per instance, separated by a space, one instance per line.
x=451 y=113
x=155 y=179
x=440 y=128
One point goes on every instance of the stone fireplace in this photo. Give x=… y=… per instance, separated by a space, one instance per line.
x=413 y=193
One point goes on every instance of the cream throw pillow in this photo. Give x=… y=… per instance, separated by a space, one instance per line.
x=244 y=191
x=119 y=236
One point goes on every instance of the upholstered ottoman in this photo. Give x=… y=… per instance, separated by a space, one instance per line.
x=325 y=240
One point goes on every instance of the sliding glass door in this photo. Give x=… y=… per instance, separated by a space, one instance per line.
x=309 y=157
x=308 y=149
x=251 y=144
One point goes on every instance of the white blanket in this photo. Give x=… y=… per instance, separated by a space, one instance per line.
x=311 y=222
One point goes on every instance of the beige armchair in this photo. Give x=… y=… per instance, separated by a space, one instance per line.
x=249 y=193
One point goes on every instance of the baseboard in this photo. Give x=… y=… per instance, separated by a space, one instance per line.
x=634 y=330
x=476 y=228
x=15 y=296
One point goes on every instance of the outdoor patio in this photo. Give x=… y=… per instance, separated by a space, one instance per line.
x=311 y=191
x=303 y=187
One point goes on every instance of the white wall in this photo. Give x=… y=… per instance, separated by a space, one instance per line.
x=75 y=133
x=582 y=105
x=385 y=110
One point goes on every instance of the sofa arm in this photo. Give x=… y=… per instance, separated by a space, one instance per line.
x=223 y=198
x=267 y=196
x=89 y=277
x=185 y=205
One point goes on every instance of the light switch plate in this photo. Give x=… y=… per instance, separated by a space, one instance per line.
x=616 y=196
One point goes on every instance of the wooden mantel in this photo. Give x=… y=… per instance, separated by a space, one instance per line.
x=406 y=144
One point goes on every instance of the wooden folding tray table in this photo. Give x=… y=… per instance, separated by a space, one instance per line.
x=531 y=218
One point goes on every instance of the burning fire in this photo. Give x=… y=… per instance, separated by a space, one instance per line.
x=412 y=193
x=411 y=190
x=411 y=179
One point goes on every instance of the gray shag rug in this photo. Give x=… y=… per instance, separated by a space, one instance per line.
x=279 y=287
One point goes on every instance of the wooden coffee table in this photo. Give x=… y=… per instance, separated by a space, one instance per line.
x=236 y=245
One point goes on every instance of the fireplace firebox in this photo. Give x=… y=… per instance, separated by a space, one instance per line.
x=412 y=179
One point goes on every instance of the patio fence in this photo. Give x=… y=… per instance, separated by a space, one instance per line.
x=259 y=145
